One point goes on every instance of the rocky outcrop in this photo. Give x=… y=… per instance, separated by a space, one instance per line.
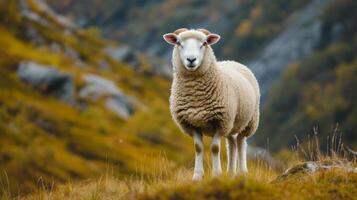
x=301 y=35
x=315 y=166
x=47 y=79
x=124 y=54
x=51 y=81
x=44 y=10
x=97 y=88
x=140 y=61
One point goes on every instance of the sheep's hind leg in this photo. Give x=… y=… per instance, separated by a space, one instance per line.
x=198 y=170
x=216 y=160
x=242 y=155
x=231 y=144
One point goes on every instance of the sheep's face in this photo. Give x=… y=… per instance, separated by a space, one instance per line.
x=191 y=52
x=191 y=49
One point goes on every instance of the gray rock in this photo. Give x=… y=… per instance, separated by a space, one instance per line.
x=55 y=47
x=118 y=53
x=159 y=66
x=123 y=54
x=135 y=59
x=97 y=87
x=120 y=106
x=70 y=52
x=336 y=32
x=47 y=80
x=295 y=43
x=44 y=8
x=103 y=65
x=31 y=15
x=33 y=35
x=315 y=166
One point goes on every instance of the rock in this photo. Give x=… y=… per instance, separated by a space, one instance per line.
x=33 y=35
x=137 y=60
x=47 y=79
x=123 y=54
x=70 y=52
x=55 y=47
x=103 y=65
x=42 y=7
x=31 y=15
x=97 y=87
x=315 y=166
x=159 y=66
x=336 y=32
x=296 y=42
x=120 y=106
x=118 y=53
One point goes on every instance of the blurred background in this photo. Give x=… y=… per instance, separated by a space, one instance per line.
x=84 y=85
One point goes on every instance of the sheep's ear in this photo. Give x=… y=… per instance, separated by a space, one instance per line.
x=170 y=38
x=212 y=38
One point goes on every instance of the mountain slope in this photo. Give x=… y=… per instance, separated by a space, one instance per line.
x=44 y=138
x=318 y=91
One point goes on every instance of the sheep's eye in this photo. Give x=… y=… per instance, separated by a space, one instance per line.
x=179 y=43
x=203 y=44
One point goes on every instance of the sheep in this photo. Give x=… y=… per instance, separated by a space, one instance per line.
x=213 y=99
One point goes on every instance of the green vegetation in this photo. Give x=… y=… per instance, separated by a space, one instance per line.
x=318 y=91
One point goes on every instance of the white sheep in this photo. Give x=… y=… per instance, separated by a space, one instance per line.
x=212 y=98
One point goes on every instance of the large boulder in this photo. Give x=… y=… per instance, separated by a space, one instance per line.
x=97 y=88
x=47 y=79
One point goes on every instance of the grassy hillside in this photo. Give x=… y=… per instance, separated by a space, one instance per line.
x=301 y=176
x=45 y=140
x=79 y=149
x=322 y=185
x=336 y=179
x=318 y=91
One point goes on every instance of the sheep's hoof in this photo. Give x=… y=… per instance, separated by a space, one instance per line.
x=197 y=177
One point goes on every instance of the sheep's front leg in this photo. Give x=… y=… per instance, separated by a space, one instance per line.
x=216 y=160
x=242 y=155
x=231 y=143
x=198 y=142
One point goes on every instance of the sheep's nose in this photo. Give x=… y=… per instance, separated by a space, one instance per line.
x=191 y=60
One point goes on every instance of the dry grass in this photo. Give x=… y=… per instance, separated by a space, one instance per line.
x=167 y=180
x=163 y=176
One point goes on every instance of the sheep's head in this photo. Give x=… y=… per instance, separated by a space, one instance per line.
x=191 y=45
